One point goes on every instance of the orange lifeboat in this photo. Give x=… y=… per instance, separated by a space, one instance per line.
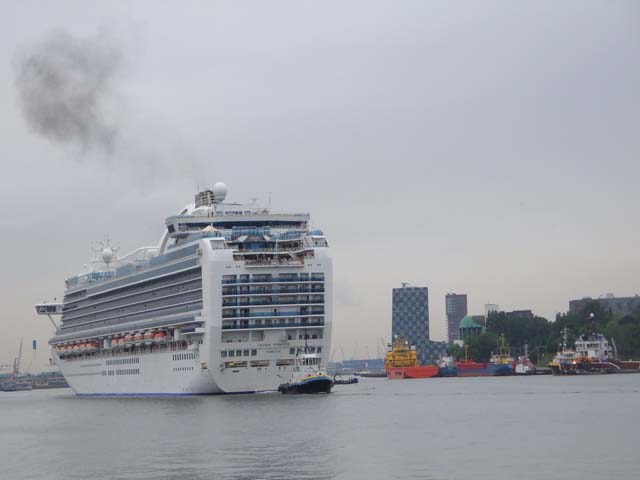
x=148 y=335
x=159 y=336
x=138 y=337
x=127 y=338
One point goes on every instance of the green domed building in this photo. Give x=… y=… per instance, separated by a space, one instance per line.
x=470 y=328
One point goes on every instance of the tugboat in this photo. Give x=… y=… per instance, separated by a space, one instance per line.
x=307 y=377
x=524 y=366
x=592 y=355
x=402 y=362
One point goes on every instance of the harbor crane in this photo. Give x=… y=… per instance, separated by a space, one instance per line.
x=16 y=361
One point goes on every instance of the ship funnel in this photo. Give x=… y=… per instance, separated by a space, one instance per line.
x=207 y=198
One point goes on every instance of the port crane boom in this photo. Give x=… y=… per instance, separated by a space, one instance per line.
x=16 y=361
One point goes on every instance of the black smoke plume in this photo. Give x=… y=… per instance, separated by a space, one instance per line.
x=66 y=87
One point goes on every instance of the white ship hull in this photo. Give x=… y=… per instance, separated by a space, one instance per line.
x=180 y=372
x=161 y=375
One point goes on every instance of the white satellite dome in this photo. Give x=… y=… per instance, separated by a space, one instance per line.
x=107 y=255
x=220 y=191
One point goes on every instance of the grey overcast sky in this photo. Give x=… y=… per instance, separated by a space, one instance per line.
x=485 y=147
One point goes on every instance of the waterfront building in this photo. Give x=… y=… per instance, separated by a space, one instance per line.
x=470 y=327
x=410 y=320
x=619 y=305
x=456 y=309
x=410 y=316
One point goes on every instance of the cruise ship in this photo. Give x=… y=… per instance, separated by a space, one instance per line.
x=225 y=303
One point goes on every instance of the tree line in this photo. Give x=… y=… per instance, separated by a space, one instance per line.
x=544 y=337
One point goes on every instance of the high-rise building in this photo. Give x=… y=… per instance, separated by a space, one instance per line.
x=410 y=320
x=410 y=317
x=456 y=310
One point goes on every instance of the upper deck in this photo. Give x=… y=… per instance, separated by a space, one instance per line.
x=253 y=233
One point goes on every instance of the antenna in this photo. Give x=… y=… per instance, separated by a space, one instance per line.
x=269 y=204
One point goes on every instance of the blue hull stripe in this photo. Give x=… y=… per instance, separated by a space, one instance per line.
x=89 y=395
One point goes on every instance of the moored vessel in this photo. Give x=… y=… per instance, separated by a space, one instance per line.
x=447 y=367
x=590 y=355
x=500 y=364
x=524 y=366
x=470 y=368
x=401 y=361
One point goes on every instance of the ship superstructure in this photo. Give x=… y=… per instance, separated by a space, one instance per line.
x=225 y=303
x=592 y=355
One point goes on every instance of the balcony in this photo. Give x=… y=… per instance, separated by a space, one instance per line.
x=271 y=291
x=273 y=280
x=251 y=326
x=226 y=315
x=267 y=303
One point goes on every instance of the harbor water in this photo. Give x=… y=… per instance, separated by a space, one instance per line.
x=445 y=428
